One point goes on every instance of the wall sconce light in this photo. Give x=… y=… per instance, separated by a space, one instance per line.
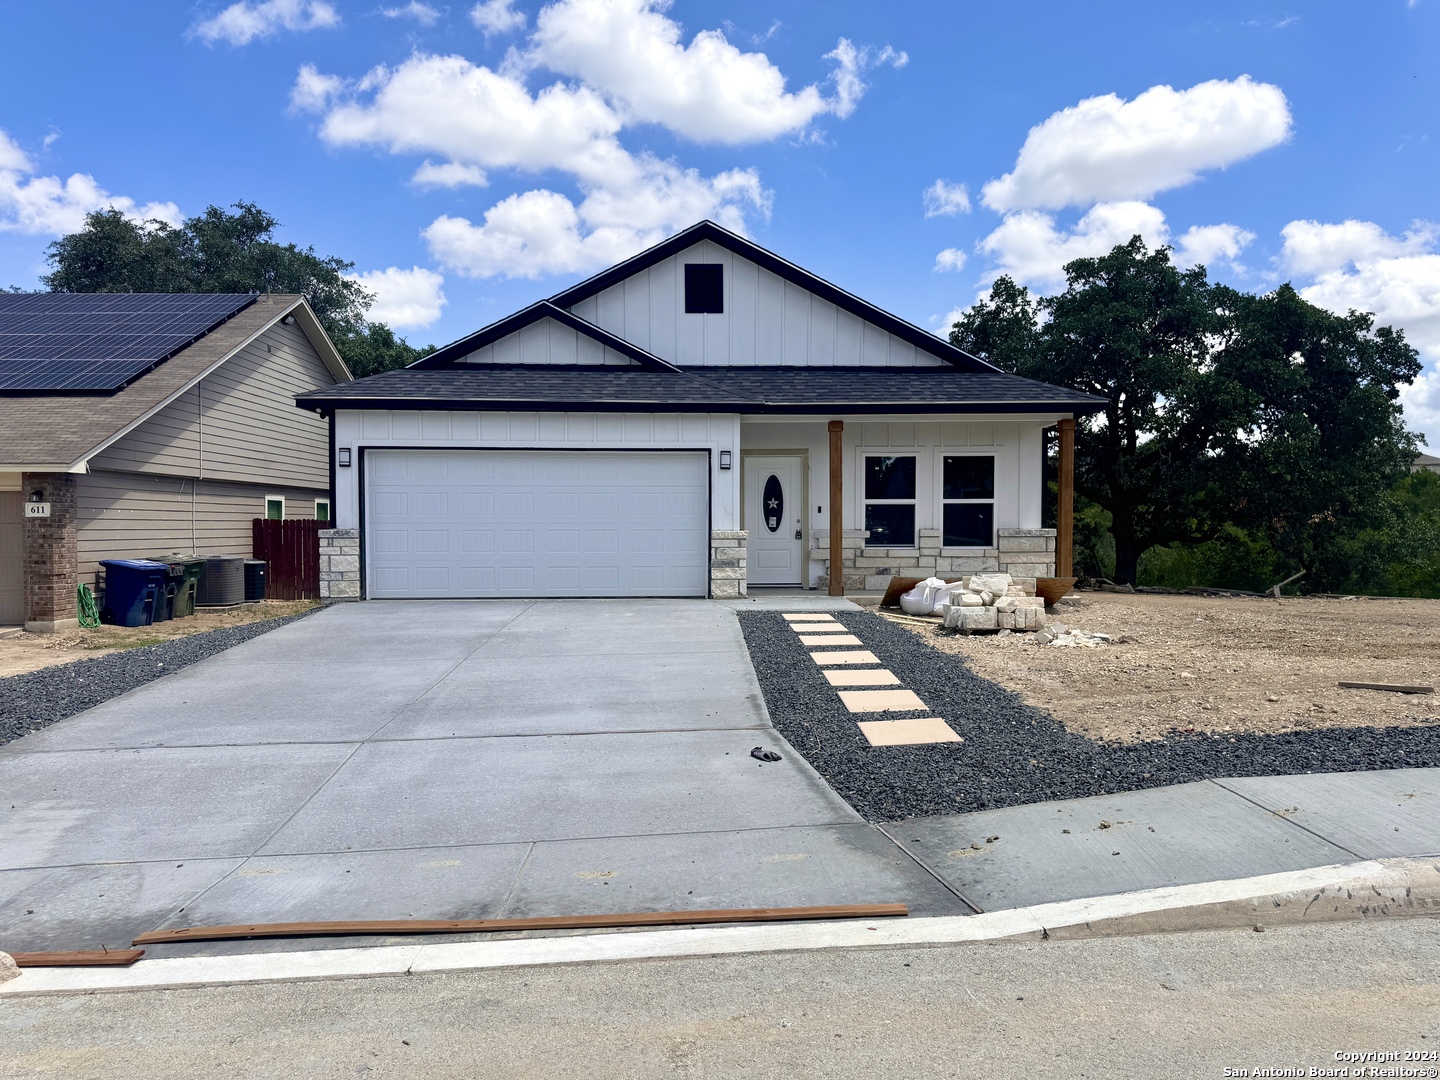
x=344 y=457
x=724 y=459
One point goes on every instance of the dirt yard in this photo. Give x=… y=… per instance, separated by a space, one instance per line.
x=1216 y=665
x=30 y=652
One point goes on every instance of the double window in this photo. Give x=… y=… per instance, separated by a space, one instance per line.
x=890 y=500
x=967 y=500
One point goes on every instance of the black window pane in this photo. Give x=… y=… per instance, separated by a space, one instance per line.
x=969 y=478
x=969 y=525
x=890 y=477
x=704 y=288
x=890 y=525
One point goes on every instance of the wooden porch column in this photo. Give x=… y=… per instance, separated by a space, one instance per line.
x=1065 y=517
x=837 y=510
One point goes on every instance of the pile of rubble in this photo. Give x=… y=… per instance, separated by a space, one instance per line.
x=982 y=602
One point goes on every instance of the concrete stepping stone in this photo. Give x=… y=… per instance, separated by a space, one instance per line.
x=929 y=729
x=882 y=701
x=830 y=639
x=862 y=678
x=819 y=628
x=810 y=616
x=853 y=656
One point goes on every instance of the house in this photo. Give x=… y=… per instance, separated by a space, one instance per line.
x=699 y=420
x=1426 y=462
x=136 y=424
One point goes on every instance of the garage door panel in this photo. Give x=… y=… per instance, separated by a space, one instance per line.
x=536 y=523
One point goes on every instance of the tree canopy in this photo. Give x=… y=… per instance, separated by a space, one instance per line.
x=224 y=251
x=1225 y=410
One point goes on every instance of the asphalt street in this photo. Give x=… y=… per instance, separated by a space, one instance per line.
x=1182 y=1005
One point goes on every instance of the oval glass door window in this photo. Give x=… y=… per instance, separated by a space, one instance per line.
x=774 y=503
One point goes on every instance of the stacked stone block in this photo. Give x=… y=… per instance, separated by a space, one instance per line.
x=340 y=564
x=727 y=563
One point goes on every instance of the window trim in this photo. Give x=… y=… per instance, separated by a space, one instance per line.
x=941 y=453
x=329 y=509
x=274 y=498
x=866 y=454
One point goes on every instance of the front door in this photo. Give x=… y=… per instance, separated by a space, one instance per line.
x=774 y=513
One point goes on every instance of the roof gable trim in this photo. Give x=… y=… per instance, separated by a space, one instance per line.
x=451 y=354
x=768 y=260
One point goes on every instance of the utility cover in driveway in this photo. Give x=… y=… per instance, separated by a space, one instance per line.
x=531 y=523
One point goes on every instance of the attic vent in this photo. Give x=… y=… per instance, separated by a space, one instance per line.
x=704 y=288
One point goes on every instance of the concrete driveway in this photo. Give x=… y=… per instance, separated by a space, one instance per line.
x=432 y=760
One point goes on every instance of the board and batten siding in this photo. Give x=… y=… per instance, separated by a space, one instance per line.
x=425 y=429
x=131 y=516
x=767 y=320
x=547 y=342
x=239 y=423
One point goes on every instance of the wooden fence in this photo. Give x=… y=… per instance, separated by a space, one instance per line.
x=292 y=550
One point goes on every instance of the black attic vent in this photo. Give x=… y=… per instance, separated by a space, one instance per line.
x=704 y=288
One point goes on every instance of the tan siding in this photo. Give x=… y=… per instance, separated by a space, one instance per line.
x=128 y=516
x=240 y=423
x=252 y=429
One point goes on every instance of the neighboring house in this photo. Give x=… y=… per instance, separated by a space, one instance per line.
x=150 y=423
x=1424 y=462
x=700 y=419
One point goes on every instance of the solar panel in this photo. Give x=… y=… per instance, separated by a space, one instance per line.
x=98 y=342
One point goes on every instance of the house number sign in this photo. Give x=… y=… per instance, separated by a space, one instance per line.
x=37 y=510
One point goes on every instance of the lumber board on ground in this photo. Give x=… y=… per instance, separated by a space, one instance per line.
x=82 y=958
x=554 y=922
x=1394 y=688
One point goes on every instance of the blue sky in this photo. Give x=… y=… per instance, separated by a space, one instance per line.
x=488 y=154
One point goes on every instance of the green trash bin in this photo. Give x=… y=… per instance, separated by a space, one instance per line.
x=185 y=571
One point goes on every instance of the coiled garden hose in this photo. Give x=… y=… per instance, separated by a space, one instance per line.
x=89 y=613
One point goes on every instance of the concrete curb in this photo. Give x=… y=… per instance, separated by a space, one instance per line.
x=1371 y=889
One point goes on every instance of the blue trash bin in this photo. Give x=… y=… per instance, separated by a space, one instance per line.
x=134 y=591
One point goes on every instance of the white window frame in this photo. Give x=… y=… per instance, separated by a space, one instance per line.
x=865 y=455
x=274 y=498
x=942 y=502
x=329 y=509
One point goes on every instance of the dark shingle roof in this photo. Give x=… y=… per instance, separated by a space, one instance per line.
x=751 y=390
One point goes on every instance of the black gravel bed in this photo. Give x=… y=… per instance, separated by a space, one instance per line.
x=1013 y=753
x=38 y=699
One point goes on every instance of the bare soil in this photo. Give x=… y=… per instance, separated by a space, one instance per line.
x=1180 y=663
x=30 y=652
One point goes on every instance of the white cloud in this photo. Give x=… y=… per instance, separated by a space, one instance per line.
x=1205 y=245
x=707 y=90
x=496 y=17
x=404 y=299
x=244 y=21
x=534 y=233
x=478 y=120
x=1358 y=265
x=424 y=14
x=1313 y=248
x=944 y=199
x=1106 y=149
x=950 y=259
x=449 y=174
x=48 y=206
x=313 y=91
x=1030 y=248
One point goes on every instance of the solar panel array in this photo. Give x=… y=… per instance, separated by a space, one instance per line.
x=98 y=342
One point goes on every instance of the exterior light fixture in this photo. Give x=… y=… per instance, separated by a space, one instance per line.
x=343 y=459
x=724 y=459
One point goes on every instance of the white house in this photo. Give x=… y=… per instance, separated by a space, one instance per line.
x=702 y=418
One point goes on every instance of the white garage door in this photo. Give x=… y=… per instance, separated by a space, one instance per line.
x=453 y=523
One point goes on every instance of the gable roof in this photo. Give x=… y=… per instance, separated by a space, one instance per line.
x=747 y=249
x=533 y=314
x=58 y=432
